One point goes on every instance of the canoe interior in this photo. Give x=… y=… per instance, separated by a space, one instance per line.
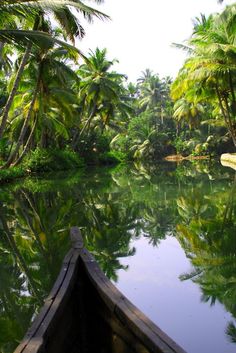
x=86 y=325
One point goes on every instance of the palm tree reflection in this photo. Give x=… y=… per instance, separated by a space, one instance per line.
x=207 y=234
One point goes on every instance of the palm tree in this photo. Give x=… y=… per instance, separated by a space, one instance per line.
x=154 y=96
x=68 y=22
x=211 y=66
x=145 y=76
x=100 y=91
x=54 y=108
x=150 y=95
x=188 y=112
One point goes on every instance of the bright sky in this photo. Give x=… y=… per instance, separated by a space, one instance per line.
x=140 y=33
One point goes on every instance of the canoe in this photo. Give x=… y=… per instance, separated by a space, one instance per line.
x=85 y=313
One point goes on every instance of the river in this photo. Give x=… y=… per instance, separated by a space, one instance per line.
x=164 y=234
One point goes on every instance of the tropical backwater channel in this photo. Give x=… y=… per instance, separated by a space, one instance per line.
x=164 y=234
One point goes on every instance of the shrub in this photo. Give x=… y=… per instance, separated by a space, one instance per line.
x=112 y=157
x=44 y=160
x=91 y=146
x=10 y=174
x=4 y=148
x=185 y=147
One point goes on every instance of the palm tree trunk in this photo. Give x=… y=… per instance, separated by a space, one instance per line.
x=88 y=122
x=231 y=126
x=26 y=147
x=74 y=139
x=86 y=125
x=25 y=125
x=1 y=50
x=231 y=85
x=16 y=82
x=14 y=89
x=226 y=115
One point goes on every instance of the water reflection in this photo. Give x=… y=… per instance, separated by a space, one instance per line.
x=32 y=244
x=207 y=233
x=113 y=207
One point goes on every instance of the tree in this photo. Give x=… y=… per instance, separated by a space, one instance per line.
x=188 y=112
x=210 y=70
x=61 y=10
x=54 y=109
x=100 y=92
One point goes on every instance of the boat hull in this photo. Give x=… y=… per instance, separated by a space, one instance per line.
x=85 y=313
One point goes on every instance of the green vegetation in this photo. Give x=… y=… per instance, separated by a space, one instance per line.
x=59 y=107
x=10 y=174
x=46 y=160
x=204 y=90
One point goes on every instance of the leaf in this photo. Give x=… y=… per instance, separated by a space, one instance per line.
x=41 y=39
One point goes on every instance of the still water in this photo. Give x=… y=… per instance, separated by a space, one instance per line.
x=164 y=234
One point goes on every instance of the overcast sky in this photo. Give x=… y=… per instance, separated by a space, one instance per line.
x=140 y=33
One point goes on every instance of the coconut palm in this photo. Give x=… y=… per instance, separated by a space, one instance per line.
x=150 y=95
x=61 y=11
x=211 y=65
x=188 y=112
x=100 y=91
x=54 y=108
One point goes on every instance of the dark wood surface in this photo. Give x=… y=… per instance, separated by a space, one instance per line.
x=85 y=310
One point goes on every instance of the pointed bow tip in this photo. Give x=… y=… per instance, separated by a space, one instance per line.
x=76 y=238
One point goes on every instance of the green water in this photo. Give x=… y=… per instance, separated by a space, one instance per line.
x=165 y=234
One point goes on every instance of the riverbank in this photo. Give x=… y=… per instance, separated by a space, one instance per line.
x=54 y=160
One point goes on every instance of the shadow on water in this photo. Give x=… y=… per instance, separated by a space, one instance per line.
x=194 y=202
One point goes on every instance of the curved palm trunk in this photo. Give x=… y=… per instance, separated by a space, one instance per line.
x=231 y=85
x=88 y=122
x=16 y=83
x=1 y=50
x=230 y=124
x=25 y=125
x=14 y=89
x=74 y=139
x=26 y=147
x=86 y=126
x=226 y=115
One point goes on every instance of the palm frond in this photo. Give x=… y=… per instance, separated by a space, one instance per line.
x=40 y=39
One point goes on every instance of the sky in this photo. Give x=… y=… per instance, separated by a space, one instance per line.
x=140 y=33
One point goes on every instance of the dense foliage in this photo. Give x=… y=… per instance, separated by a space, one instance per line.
x=53 y=98
x=204 y=91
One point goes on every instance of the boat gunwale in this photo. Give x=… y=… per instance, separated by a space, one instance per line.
x=125 y=312
x=34 y=337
